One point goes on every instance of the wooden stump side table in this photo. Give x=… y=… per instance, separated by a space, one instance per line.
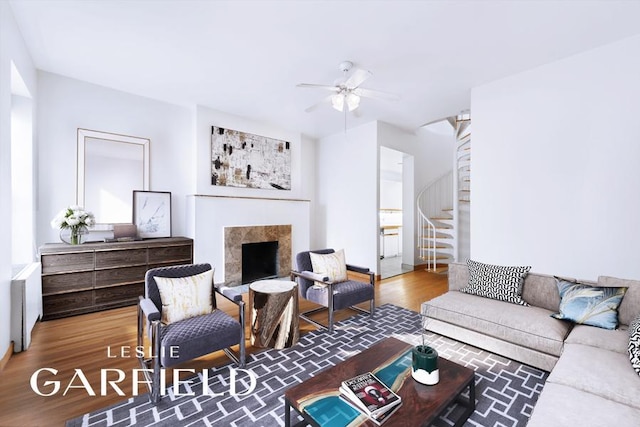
x=274 y=313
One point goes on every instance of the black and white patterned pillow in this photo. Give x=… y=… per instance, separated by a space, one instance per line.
x=634 y=344
x=503 y=283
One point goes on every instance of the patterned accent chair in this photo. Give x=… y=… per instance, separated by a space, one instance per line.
x=194 y=336
x=334 y=295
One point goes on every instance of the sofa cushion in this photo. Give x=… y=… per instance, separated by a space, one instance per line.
x=541 y=290
x=345 y=294
x=589 y=305
x=560 y=405
x=634 y=344
x=526 y=355
x=598 y=371
x=613 y=340
x=531 y=327
x=630 y=305
x=458 y=276
x=502 y=283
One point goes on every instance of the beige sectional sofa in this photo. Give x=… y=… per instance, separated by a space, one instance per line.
x=592 y=382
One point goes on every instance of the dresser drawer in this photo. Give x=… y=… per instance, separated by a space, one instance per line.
x=121 y=258
x=67 y=262
x=120 y=276
x=119 y=294
x=170 y=254
x=67 y=302
x=69 y=282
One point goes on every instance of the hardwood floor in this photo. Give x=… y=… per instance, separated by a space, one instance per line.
x=86 y=342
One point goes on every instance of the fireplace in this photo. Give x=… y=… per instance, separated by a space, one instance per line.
x=236 y=240
x=259 y=261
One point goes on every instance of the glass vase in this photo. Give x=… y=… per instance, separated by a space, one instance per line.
x=73 y=235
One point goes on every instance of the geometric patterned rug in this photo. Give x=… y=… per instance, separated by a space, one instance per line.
x=506 y=391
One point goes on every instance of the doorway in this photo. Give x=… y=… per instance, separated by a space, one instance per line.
x=395 y=213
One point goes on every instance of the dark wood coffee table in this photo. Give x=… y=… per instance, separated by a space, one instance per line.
x=421 y=404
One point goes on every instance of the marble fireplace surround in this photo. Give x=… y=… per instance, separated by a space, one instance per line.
x=235 y=237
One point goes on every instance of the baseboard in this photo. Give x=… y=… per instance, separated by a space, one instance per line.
x=6 y=357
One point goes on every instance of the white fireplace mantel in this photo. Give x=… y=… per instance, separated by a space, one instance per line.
x=207 y=216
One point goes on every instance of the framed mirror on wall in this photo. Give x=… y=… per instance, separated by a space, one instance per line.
x=110 y=168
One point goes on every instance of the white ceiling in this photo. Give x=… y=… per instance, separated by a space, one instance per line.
x=246 y=57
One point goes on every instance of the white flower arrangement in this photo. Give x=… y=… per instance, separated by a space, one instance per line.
x=76 y=219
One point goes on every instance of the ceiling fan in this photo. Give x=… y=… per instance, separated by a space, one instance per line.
x=347 y=91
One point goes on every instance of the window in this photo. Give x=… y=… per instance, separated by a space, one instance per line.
x=22 y=176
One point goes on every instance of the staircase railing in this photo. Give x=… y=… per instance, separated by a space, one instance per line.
x=426 y=238
x=432 y=200
x=462 y=180
x=438 y=204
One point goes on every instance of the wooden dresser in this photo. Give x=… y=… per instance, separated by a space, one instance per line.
x=91 y=277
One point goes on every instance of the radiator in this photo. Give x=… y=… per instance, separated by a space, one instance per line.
x=26 y=304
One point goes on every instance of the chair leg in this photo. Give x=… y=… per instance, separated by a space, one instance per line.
x=152 y=364
x=330 y=313
x=372 y=307
x=242 y=335
x=154 y=395
x=242 y=362
x=240 y=357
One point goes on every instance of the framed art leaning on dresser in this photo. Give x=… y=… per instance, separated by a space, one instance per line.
x=152 y=213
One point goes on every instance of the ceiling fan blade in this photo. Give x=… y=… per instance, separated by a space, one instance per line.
x=368 y=93
x=357 y=78
x=325 y=87
x=319 y=103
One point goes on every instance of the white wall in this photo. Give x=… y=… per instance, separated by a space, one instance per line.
x=212 y=208
x=67 y=104
x=433 y=152
x=12 y=49
x=347 y=195
x=390 y=194
x=206 y=117
x=22 y=176
x=555 y=177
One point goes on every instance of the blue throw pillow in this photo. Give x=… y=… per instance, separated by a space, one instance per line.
x=589 y=305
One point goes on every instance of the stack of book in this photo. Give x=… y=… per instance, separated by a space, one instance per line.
x=370 y=396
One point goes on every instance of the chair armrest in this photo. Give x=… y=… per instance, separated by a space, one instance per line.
x=363 y=270
x=310 y=275
x=235 y=297
x=149 y=309
x=229 y=293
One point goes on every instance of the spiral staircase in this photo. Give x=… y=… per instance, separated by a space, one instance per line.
x=444 y=205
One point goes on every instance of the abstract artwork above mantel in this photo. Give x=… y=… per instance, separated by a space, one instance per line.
x=240 y=159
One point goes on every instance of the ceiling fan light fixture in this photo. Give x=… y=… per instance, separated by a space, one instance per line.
x=353 y=101
x=346 y=92
x=337 y=101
